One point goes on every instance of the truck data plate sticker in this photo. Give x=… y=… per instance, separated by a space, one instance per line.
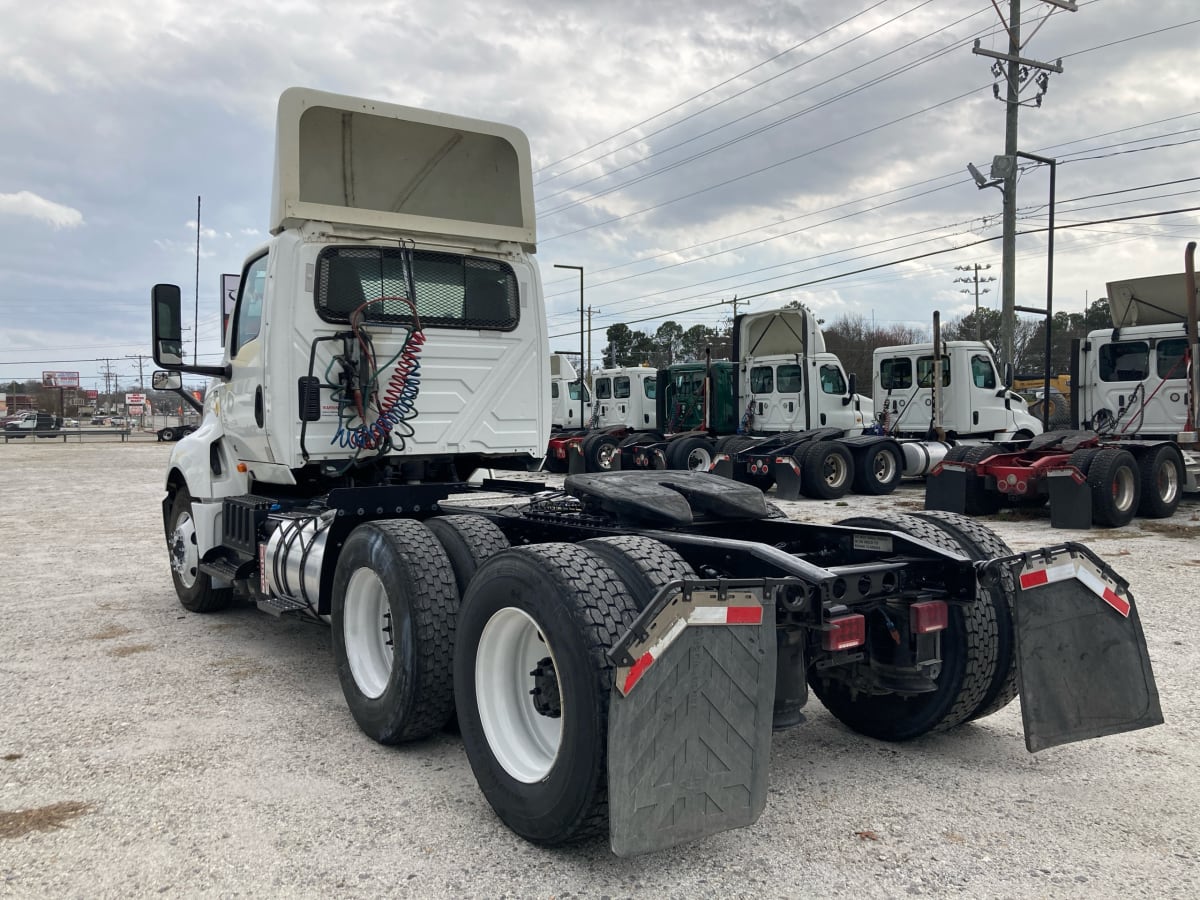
x=873 y=542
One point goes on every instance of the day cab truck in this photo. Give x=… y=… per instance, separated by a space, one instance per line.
x=624 y=411
x=616 y=653
x=571 y=411
x=783 y=412
x=1132 y=449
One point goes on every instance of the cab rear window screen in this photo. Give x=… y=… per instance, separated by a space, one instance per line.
x=452 y=291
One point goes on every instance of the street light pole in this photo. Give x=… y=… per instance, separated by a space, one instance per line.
x=579 y=269
x=1049 y=310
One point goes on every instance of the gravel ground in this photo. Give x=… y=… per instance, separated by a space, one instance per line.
x=145 y=750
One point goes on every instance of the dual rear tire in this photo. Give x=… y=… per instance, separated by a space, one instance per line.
x=523 y=656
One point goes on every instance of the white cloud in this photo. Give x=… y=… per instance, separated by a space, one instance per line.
x=27 y=203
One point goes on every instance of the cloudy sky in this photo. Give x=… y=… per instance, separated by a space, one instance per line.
x=685 y=152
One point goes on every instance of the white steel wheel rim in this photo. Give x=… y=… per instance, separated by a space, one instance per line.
x=524 y=742
x=885 y=467
x=1168 y=482
x=835 y=470
x=185 y=557
x=1123 y=489
x=699 y=460
x=367 y=631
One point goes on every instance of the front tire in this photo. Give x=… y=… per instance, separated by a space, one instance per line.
x=541 y=618
x=194 y=588
x=394 y=610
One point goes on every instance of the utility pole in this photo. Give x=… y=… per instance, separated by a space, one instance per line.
x=975 y=279
x=589 y=359
x=735 y=301
x=1017 y=75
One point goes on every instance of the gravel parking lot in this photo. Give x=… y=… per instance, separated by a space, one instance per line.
x=145 y=750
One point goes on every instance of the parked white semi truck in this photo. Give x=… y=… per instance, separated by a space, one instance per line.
x=1133 y=448
x=389 y=339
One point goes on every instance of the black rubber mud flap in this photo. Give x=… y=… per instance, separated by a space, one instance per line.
x=1084 y=670
x=689 y=729
x=1070 y=499
x=575 y=461
x=946 y=489
x=722 y=465
x=787 y=477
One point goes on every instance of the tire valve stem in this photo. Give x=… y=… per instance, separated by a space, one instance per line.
x=891 y=626
x=387 y=628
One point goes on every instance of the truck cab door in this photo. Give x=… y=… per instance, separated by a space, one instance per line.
x=243 y=398
x=988 y=413
x=833 y=389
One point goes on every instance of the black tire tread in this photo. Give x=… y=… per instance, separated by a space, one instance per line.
x=979 y=625
x=980 y=542
x=642 y=563
x=865 y=481
x=469 y=541
x=812 y=477
x=202 y=597
x=1100 y=476
x=602 y=610
x=1152 y=506
x=434 y=604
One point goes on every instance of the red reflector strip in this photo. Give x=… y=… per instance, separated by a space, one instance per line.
x=700 y=615
x=1048 y=575
x=1084 y=574
x=637 y=670
x=1120 y=604
x=743 y=615
x=846 y=632
x=1103 y=591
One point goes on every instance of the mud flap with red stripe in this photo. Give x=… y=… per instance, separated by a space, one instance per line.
x=689 y=731
x=1084 y=670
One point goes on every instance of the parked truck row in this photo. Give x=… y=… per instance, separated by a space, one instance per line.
x=389 y=339
x=787 y=414
x=1132 y=447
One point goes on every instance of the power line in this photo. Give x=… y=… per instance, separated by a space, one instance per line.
x=827 y=146
x=907 y=259
x=683 y=103
x=761 y=109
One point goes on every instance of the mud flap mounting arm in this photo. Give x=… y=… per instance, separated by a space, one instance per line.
x=689 y=730
x=1083 y=667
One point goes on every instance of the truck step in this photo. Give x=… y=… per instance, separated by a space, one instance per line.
x=277 y=606
x=225 y=568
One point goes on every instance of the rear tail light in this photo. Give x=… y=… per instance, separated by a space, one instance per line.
x=927 y=616
x=845 y=632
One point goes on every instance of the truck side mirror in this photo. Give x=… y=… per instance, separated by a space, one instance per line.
x=1008 y=376
x=166 y=381
x=168 y=330
x=852 y=380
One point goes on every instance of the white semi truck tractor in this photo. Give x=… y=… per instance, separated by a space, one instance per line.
x=389 y=339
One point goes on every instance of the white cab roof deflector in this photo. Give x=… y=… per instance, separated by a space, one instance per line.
x=345 y=160
x=1157 y=300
